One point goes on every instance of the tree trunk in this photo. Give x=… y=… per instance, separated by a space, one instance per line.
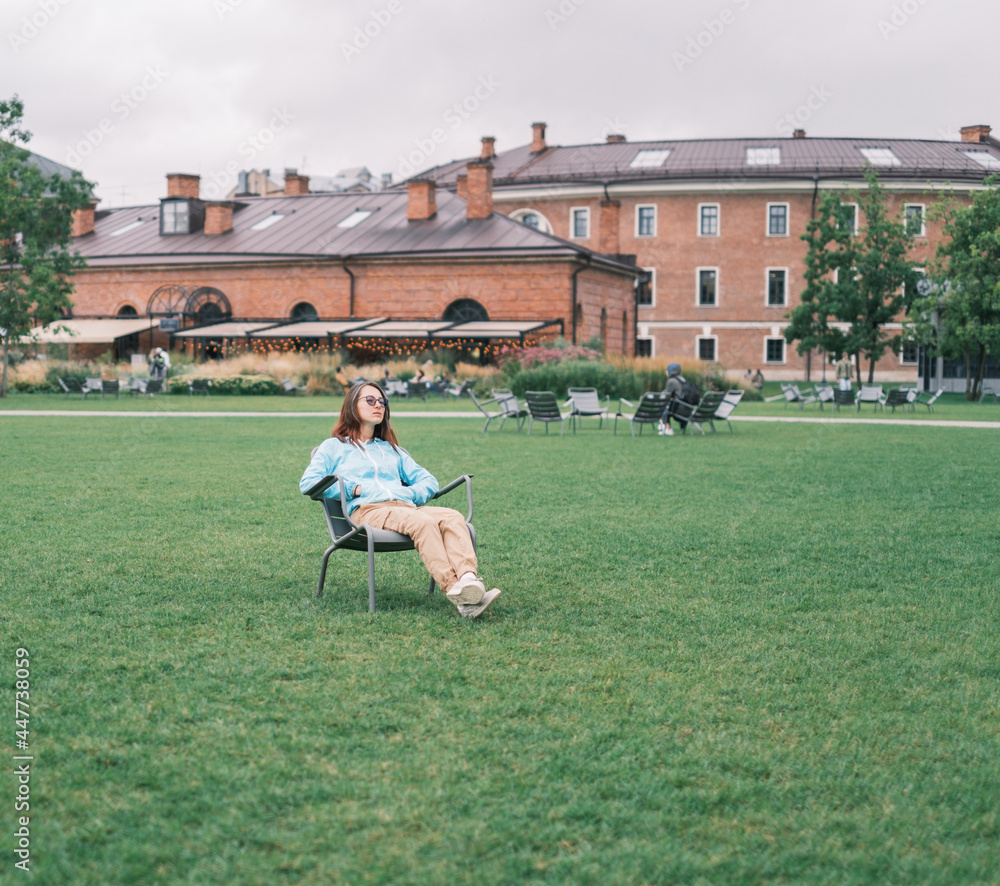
x=968 y=375
x=871 y=370
x=3 y=376
x=977 y=384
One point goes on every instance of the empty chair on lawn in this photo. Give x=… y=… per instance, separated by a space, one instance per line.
x=502 y=408
x=587 y=402
x=871 y=394
x=198 y=386
x=543 y=406
x=843 y=398
x=730 y=400
x=73 y=386
x=93 y=385
x=897 y=397
x=289 y=387
x=648 y=411
x=110 y=386
x=925 y=399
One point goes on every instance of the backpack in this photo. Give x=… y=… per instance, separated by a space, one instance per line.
x=689 y=392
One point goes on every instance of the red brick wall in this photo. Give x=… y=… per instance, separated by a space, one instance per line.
x=508 y=290
x=742 y=252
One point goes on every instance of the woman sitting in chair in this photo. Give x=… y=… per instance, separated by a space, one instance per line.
x=387 y=489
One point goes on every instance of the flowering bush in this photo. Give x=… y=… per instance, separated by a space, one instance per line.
x=539 y=355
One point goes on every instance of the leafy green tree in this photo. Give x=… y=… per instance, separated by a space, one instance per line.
x=960 y=315
x=856 y=282
x=36 y=213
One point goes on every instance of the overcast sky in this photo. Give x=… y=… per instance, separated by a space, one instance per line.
x=127 y=91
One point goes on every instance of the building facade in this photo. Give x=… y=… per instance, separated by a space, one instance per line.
x=341 y=262
x=717 y=224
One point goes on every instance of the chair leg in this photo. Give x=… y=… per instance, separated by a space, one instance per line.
x=322 y=569
x=371 y=571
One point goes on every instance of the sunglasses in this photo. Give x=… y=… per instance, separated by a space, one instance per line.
x=371 y=401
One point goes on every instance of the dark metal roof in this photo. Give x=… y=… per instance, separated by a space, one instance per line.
x=49 y=167
x=715 y=159
x=310 y=226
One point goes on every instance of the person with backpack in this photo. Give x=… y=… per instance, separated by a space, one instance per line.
x=678 y=388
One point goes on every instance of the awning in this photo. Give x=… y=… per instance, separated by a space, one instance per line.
x=401 y=329
x=89 y=332
x=314 y=328
x=495 y=329
x=236 y=329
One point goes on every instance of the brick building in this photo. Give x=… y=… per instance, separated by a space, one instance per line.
x=717 y=224
x=396 y=270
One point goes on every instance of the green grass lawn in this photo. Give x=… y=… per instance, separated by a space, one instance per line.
x=762 y=657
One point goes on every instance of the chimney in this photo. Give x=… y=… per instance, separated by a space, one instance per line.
x=386 y=180
x=615 y=138
x=488 y=152
x=608 y=234
x=799 y=133
x=180 y=184
x=83 y=220
x=537 y=137
x=218 y=217
x=479 y=185
x=975 y=133
x=462 y=186
x=295 y=185
x=421 y=200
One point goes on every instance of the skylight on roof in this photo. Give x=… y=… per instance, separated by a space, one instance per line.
x=880 y=156
x=763 y=156
x=355 y=218
x=984 y=159
x=650 y=159
x=129 y=227
x=265 y=223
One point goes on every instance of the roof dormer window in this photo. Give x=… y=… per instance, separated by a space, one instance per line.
x=650 y=159
x=181 y=216
x=763 y=156
x=880 y=156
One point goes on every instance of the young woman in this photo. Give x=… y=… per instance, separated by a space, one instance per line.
x=387 y=489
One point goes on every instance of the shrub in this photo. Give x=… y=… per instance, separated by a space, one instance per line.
x=248 y=385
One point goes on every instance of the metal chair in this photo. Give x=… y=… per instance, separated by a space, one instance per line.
x=198 y=386
x=502 y=407
x=348 y=535
x=649 y=411
x=584 y=402
x=110 y=386
x=543 y=406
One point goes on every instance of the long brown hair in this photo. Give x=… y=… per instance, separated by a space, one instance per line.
x=348 y=426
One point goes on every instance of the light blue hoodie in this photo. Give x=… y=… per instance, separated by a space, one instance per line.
x=383 y=473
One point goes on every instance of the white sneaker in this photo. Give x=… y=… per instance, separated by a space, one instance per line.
x=468 y=589
x=668 y=431
x=474 y=610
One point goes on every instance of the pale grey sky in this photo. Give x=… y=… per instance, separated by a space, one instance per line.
x=127 y=90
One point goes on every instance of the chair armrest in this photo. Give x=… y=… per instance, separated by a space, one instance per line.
x=315 y=492
x=622 y=400
x=467 y=480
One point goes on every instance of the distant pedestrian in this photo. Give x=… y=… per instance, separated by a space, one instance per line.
x=844 y=372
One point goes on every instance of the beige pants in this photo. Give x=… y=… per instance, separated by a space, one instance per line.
x=439 y=534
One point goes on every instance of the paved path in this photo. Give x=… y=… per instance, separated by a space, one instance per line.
x=326 y=416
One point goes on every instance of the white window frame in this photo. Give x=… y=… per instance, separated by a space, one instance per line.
x=718 y=219
x=650 y=158
x=784 y=351
x=923 y=219
x=767 y=155
x=714 y=339
x=652 y=343
x=881 y=158
x=652 y=288
x=545 y=226
x=854 y=206
x=788 y=220
x=904 y=362
x=767 y=287
x=697 y=286
x=573 y=210
x=641 y=206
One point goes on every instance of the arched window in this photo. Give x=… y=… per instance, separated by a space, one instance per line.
x=604 y=329
x=127 y=311
x=533 y=218
x=304 y=311
x=465 y=310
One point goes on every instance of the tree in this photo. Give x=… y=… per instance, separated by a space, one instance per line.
x=856 y=283
x=960 y=315
x=36 y=213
